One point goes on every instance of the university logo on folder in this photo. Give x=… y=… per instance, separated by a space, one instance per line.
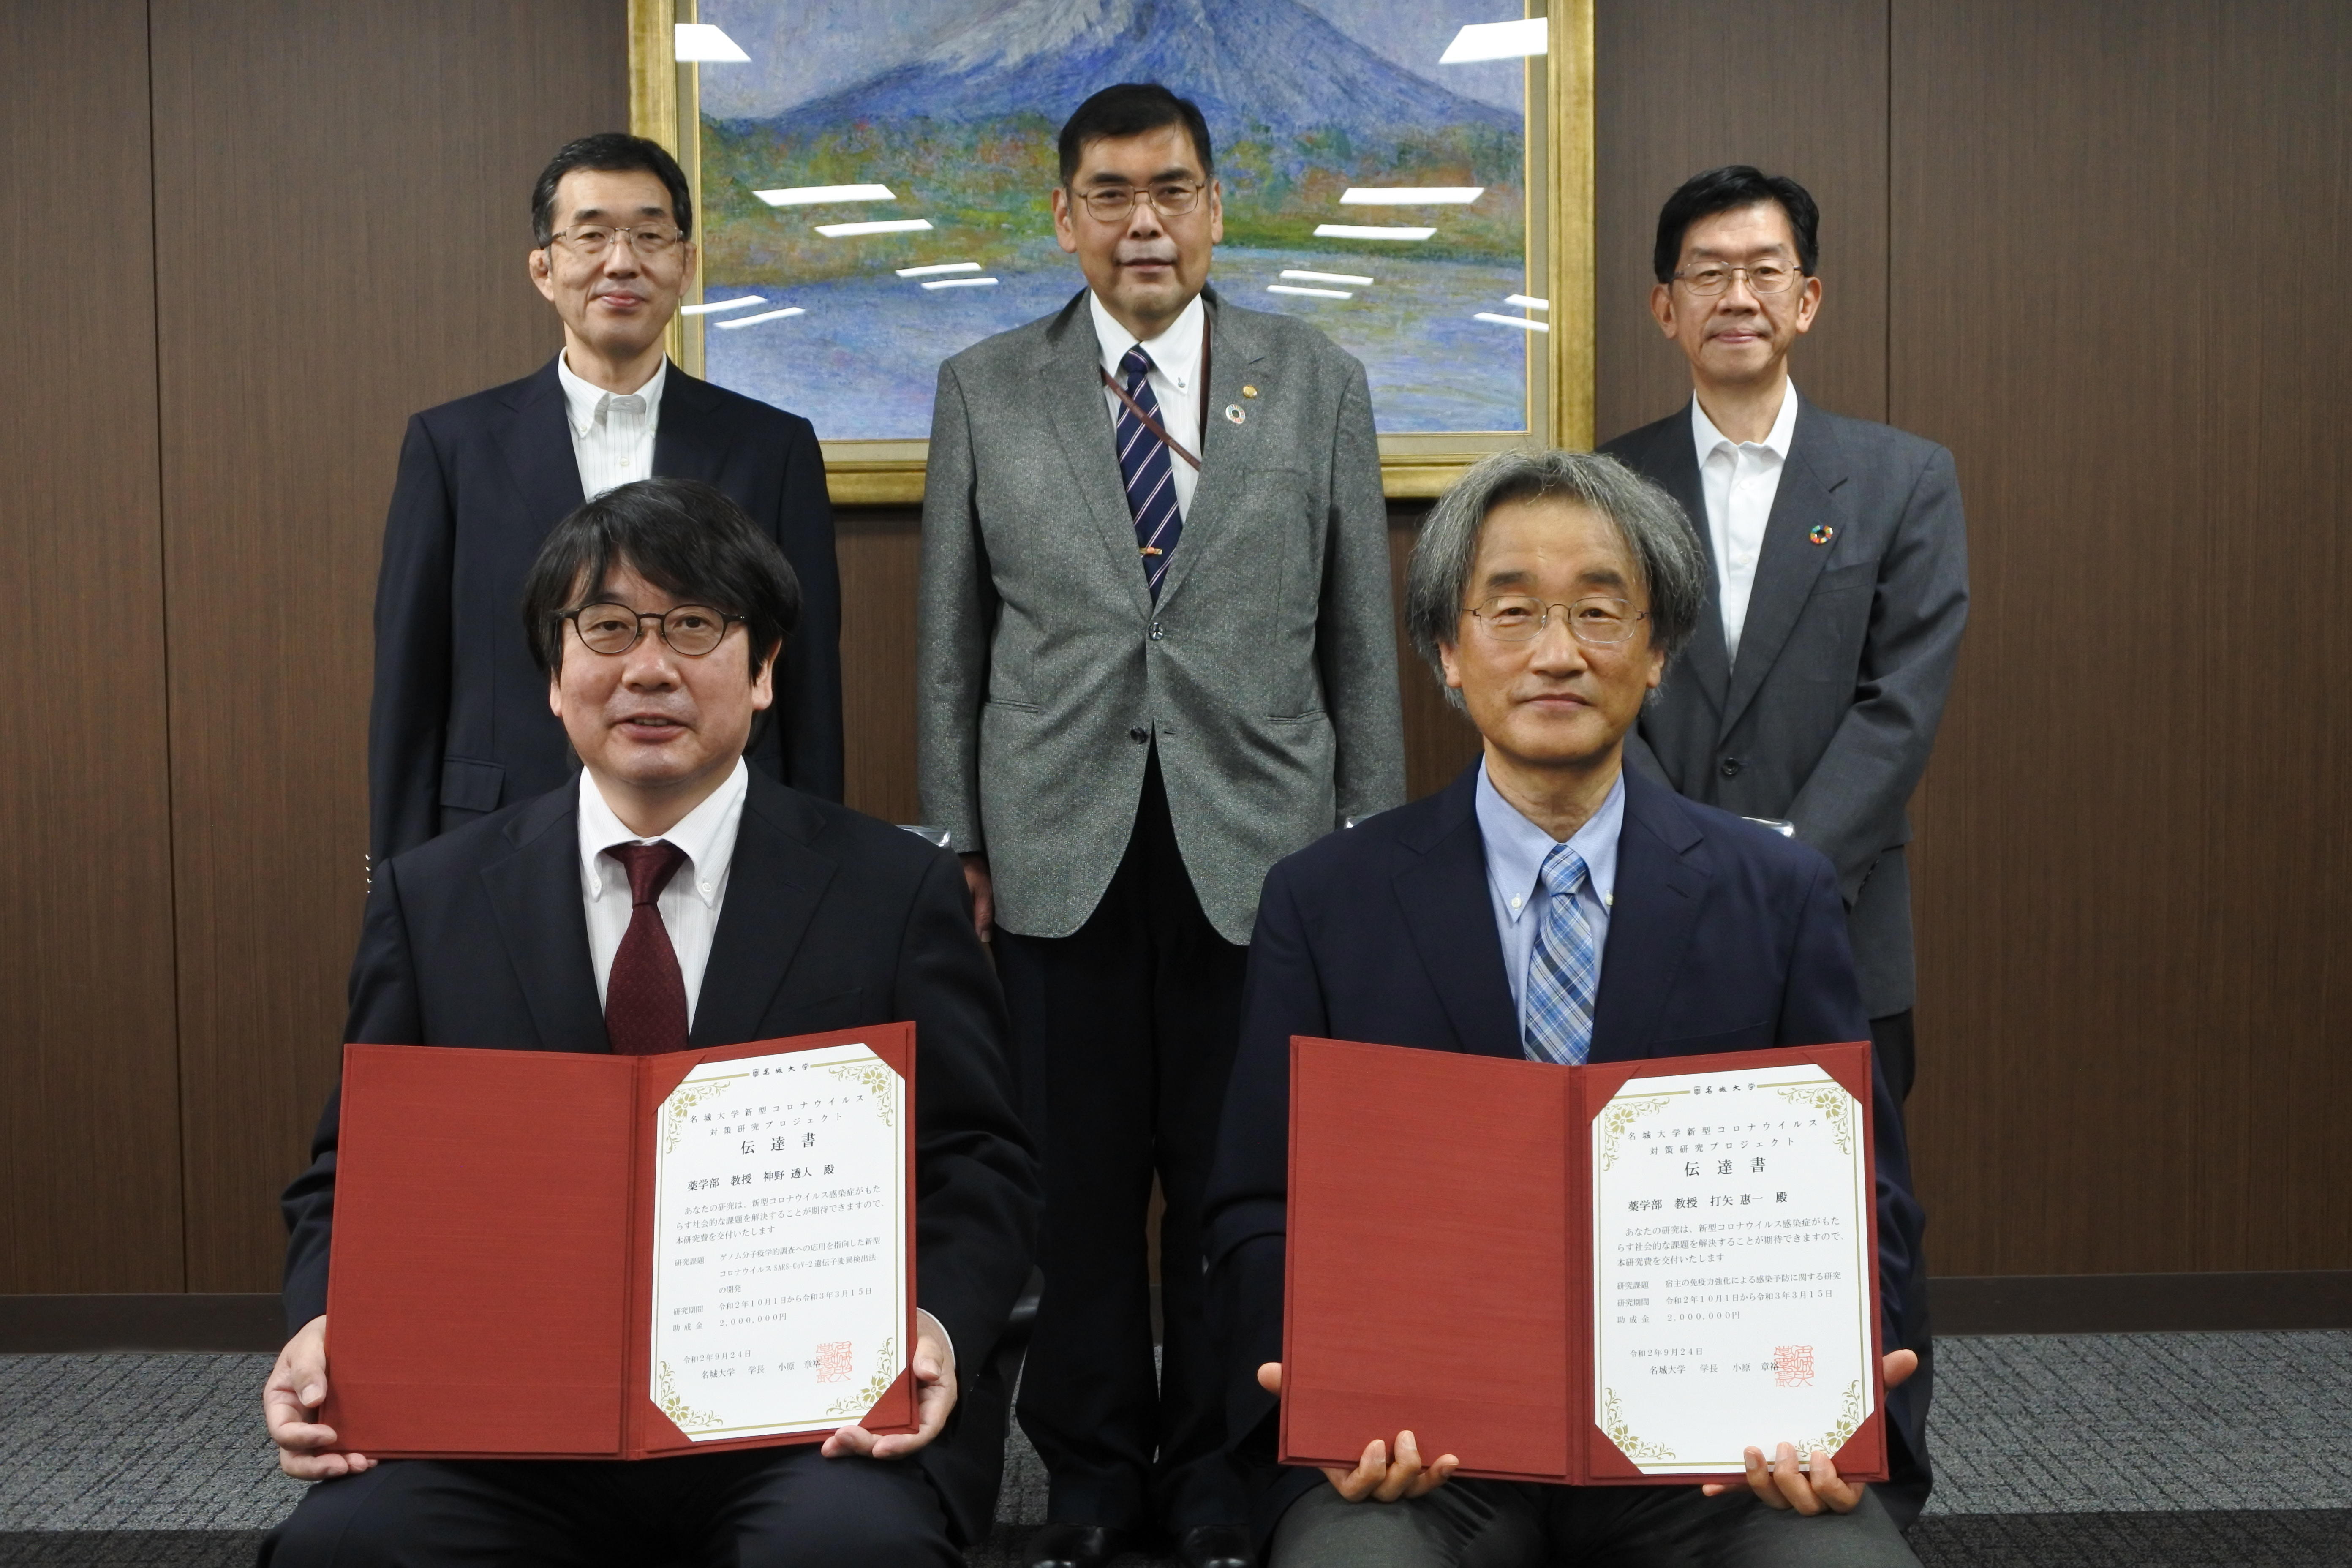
x=542 y=1254
x=1620 y=1273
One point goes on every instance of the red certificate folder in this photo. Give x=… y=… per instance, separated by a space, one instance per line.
x=1440 y=1264
x=490 y=1292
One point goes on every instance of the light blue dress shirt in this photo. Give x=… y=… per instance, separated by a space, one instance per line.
x=1516 y=849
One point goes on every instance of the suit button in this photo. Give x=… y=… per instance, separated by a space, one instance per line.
x=1731 y=767
x=1156 y=633
x=1139 y=734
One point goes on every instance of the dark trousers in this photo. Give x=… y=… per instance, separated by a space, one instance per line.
x=1124 y=1033
x=749 y=1508
x=1505 y=1524
x=1898 y=1057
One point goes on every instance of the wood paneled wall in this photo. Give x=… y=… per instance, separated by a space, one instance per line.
x=2071 y=241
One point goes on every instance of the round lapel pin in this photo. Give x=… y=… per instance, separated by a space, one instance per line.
x=1821 y=534
x=1249 y=392
x=1234 y=413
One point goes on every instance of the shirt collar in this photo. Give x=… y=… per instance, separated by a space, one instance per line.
x=583 y=401
x=1783 y=431
x=1517 y=848
x=1177 y=351
x=707 y=833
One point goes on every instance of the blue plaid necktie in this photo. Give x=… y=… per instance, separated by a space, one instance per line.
x=1150 y=478
x=1564 y=968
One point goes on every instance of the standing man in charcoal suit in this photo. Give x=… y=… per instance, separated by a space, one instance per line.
x=1156 y=656
x=460 y=725
x=1839 y=584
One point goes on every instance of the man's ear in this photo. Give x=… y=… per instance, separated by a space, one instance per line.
x=541 y=278
x=764 y=684
x=1065 y=234
x=1445 y=658
x=1661 y=307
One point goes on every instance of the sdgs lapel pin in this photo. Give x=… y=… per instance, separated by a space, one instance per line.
x=1821 y=534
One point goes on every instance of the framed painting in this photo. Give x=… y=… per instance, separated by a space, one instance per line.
x=874 y=179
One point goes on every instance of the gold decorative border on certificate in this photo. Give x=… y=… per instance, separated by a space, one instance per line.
x=1833 y=1102
x=683 y=1099
x=673 y=1405
x=859 y=1403
x=1613 y=1423
x=1622 y=1112
x=876 y=1075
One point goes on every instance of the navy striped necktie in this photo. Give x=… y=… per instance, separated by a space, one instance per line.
x=1150 y=476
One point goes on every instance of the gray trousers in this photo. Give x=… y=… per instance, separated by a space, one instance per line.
x=1508 y=1524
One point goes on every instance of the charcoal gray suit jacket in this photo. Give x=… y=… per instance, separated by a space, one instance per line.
x=1264 y=677
x=1845 y=657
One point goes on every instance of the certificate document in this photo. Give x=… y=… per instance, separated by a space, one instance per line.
x=1626 y=1272
x=779 y=1286
x=548 y=1255
x=1731 y=1267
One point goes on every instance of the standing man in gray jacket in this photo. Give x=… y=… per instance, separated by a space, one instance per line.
x=1812 y=689
x=1156 y=656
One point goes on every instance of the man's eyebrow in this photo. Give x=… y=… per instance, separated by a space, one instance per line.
x=1517 y=577
x=598 y=214
x=1106 y=177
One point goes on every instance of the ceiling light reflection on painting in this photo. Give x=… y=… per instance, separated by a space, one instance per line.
x=1411 y=195
x=762 y=316
x=699 y=41
x=809 y=195
x=1527 y=301
x=1310 y=293
x=962 y=283
x=1296 y=276
x=886 y=226
x=936 y=268
x=716 y=305
x=1519 y=321
x=1370 y=231
x=1498 y=41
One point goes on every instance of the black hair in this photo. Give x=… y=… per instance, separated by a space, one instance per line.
x=609 y=152
x=1727 y=189
x=681 y=535
x=1130 y=109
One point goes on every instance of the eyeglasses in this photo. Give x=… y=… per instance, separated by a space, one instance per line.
x=1764 y=278
x=690 y=629
x=592 y=240
x=1112 y=203
x=1521 y=617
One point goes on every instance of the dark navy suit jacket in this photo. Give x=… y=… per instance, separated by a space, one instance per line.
x=1723 y=937
x=832 y=921
x=460 y=724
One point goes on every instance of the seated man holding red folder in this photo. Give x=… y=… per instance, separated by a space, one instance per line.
x=670 y=896
x=1549 y=905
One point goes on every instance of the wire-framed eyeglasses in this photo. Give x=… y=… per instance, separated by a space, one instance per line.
x=1597 y=622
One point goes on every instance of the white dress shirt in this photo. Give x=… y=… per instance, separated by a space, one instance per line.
x=612 y=432
x=689 y=904
x=1516 y=850
x=1175 y=382
x=1740 y=478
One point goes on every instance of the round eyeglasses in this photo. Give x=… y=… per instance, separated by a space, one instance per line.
x=1521 y=617
x=1109 y=203
x=1764 y=278
x=690 y=629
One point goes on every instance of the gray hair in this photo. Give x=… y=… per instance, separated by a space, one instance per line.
x=1655 y=533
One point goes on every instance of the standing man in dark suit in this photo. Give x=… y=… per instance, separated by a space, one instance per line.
x=668 y=898
x=1839 y=582
x=1553 y=905
x=1136 y=695
x=460 y=724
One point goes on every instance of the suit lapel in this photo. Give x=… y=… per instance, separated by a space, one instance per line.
x=774 y=887
x=1789 y=561
x=1659 y=887
x=537 y=444
x=1443 y=892
x=1672 y=461
x=684 y=444
x=1069 y=370
x=535 y=892
x=1237 y=353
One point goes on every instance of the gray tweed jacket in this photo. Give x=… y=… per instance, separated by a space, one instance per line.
x=1266 y=676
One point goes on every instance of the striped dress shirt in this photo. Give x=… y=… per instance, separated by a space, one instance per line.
x=612 y=432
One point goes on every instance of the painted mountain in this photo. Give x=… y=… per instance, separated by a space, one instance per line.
x=965 y=132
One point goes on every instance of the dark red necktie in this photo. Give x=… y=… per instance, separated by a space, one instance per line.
x=644 y=996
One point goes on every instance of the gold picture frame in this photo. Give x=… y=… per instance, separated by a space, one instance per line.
x=664 y=106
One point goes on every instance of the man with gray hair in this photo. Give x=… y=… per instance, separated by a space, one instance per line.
x=1553 y=906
